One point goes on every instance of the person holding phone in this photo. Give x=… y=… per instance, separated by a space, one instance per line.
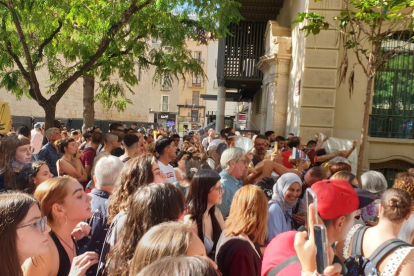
x=337 y=206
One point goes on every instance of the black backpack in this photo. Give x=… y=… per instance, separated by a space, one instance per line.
x=359 y=265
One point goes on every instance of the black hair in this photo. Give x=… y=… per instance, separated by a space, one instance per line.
x=311 y=142
x=64 y=143
x=86 y=135
x=294 y=142
x=197 y=200
x=161 y=144
x=175 y=136
x=261 y=136
x=269 y=133
x=180 y=155
x=280 y=138
x=23 y=130
x=96 y=138
x=114 y=126
x=130 y=139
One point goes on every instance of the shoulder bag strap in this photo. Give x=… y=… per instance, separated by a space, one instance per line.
x=289 y=261
x=357 y=242
x=386 y=248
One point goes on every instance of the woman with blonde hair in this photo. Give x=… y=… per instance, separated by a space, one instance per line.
x=65 y=204
x=238 y=250
x=180 y=266
x=171 y=239
x=15 y=152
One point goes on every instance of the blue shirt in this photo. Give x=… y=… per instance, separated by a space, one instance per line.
x=49 y=154
x=96 y=238
x=230 y=186
x=278 y=221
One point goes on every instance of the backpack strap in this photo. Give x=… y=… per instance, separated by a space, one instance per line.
x=386 y=248
x=289 y=261
x=357 y=242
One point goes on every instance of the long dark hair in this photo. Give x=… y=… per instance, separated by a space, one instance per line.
x=136 y=173
x=27 y=174
x=151 y=205
x=14 y=207
x=197 y=198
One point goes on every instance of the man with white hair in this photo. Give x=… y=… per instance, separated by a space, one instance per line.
x=107 y=171
x=234 y=163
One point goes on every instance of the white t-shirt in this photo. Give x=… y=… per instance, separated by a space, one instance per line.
x=168 y=171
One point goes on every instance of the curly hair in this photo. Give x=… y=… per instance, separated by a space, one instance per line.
x=136 y=173
x=405 y=181
x=64 y=143
x=8 y=147
x=151 y=205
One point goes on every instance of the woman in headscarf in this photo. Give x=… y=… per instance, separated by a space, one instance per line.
x=286 y=192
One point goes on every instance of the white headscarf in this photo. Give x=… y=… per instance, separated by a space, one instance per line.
x=281 y=186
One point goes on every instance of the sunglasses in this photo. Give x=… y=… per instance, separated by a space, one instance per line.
x=41 y=223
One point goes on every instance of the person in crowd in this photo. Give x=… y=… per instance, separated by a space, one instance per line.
x=36 y=140
x=142 y=145
x=234 y=164
x=110 y=143
x=338 y=204
x=118 y=129
x=147 y=209
x=32 y=175
x=191 y=167
x=347 y=176
x=260 y=149
x=134 y=126
x=65 y=205
x=64 y=134
x=285 y=196
x=168 y=239
x=108 y=169
x=86 y=141
x=281 y=143
x=311 y=144
x=75 y=135
x=375 y=183
x=205 y=193
x=167 y=151
x=290 y=136
x=140 y=171
x=405 y=181
x=25 y=131
x=182 y=266
x=89 y=153
x=271 y=138
x=211 y=134
x=70 y=163
x=176 y=139
x=238 y=250
x=180 y=164
x=212 y=157
x=395 y=208
x=131 y=146
x=23 y=232
x=49 y=152
x=15 y=152
x=294 y=142
x=339 y=167
x=312 y=176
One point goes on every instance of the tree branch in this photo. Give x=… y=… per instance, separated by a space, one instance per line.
x=45 y=43
x=104 y=44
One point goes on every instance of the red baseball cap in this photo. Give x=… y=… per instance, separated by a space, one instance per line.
x=337 y=198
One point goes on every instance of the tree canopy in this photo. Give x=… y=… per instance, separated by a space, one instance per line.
x=70 y=38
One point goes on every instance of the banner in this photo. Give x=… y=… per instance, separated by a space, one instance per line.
x=5 y=118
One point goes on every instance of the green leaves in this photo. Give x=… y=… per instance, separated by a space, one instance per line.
x=314 y=23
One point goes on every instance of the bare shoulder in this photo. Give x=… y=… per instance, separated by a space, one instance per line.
x=407 y=266
x=43 y=265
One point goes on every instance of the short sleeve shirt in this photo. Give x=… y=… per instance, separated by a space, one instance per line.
x=88 y=156
x=168 y=171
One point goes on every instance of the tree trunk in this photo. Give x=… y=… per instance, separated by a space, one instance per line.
x=50 y=114
x=88 y=102
x=365 y=125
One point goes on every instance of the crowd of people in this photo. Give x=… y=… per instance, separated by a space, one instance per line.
x=143 y=201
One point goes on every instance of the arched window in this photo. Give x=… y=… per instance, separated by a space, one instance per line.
x=392 y=113
x=391 y=168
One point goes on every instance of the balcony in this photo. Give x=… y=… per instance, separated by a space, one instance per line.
x=391 y=126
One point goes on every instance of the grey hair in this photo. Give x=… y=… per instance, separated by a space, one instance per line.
x=230 y=154
x=373 y=182
x=48 y=132
x=107 y=171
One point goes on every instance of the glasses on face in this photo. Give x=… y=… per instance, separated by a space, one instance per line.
x=41 y=223
x=220 y=190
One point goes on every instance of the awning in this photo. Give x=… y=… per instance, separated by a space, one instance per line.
x=230 y=97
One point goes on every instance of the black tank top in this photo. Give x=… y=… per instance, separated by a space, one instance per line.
x=64 y=261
